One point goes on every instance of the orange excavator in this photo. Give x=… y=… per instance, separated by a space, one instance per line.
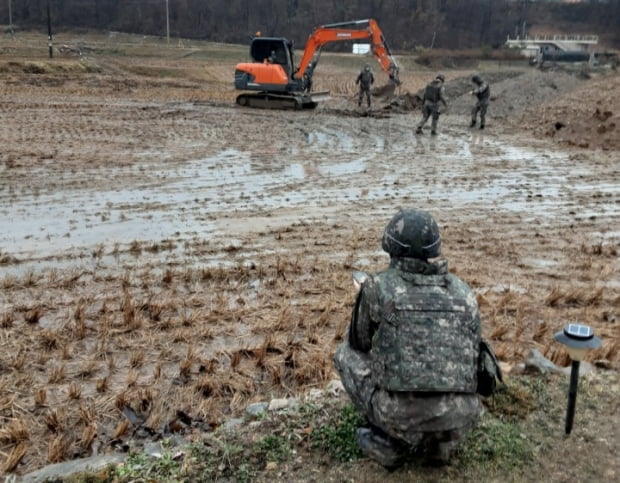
x=281 y=84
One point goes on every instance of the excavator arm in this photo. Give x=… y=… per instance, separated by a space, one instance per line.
x=339 y=32
x=280 y=84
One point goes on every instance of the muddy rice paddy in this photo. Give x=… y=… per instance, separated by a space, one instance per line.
x=167 y=258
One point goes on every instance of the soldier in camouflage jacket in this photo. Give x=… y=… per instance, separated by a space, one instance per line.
x=409 y=362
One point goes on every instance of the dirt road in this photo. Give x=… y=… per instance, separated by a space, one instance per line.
x=162 y=251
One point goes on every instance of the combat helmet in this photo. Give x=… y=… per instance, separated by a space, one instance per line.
x=412 y=233
x=440 y=77
x=476 y=79
x=367 y=67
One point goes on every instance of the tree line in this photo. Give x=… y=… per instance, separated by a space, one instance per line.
x=407 y=24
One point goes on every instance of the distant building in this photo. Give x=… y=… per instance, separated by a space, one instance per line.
x=533 y=46
x=361 y=48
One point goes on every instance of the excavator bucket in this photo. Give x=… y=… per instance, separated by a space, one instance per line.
x=386 y=91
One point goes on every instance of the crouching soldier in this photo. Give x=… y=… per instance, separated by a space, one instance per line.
x=411 y=359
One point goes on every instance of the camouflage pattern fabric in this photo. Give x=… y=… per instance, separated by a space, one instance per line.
x=421 y=378
x=433 y=95
x=412 y=233
x=482 y=93
x=428 y=335
x=365 y=79
x=412 y=417
x=432 y=92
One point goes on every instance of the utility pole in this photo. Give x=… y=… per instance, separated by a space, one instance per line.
x=522 y=19
x=167 y=22
x=49 y=30
x=11 y=21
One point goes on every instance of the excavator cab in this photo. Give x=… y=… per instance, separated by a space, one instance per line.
x=271 y=68
x=273 y=50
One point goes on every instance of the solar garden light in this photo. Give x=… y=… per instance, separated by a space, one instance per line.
x=578 y=339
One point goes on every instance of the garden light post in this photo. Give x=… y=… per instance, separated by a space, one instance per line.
x=578 y=339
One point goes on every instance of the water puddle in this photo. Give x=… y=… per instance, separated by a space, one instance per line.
x=188 y=200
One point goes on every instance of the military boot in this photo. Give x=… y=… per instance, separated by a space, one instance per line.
x=418 y=130
x=379 y=448
x=439 y=453
x=473 y=123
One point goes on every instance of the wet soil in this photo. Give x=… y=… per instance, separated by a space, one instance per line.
x=164 y=252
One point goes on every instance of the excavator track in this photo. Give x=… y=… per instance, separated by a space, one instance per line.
x=266 y=100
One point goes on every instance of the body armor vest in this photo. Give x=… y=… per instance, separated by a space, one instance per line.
x=426 y=340
x=484 y=95
x=432 y=92
x=365 y=78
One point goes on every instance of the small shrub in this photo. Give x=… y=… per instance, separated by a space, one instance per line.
x=274 y=448
x=223 y=458
x=338 y=437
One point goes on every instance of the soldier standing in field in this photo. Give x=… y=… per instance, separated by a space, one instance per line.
x=433 y=95
x=482 y=93
x=410 y=361
x=365 y=79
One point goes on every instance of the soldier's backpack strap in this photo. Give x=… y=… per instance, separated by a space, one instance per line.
x=489 y=371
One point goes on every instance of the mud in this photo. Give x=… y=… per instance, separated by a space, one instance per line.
x=164 y=250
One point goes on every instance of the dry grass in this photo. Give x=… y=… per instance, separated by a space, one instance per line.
x=79 y=318
x=58 y=449
x=56 y=420
x=137 y=358
x=89 y=435
x=57 y=374
x=33 y=316
x=102 y=385
x=74 y=392
x=6 y=321
x=50 y=340
x=121 y=428
x=18 y=361
x=16 y=431
x=40 y=397
x=15 y=456
x=87 y=369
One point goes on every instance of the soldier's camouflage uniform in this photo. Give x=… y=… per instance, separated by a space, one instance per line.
x=434 y=93
x=483 y=94
x=409 y=362
x=365 y=79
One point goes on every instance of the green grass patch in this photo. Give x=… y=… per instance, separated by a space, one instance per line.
x=338 y=436
x=503 y=442
x=495 y=444
x=273 y=447
x=142 y=467
x=222 y=457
